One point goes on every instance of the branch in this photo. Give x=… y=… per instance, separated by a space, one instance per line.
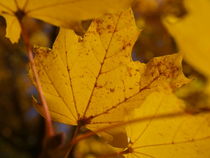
x=48 y=121
x=140 y=119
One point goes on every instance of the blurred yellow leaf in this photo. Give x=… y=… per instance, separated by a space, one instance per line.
x=176 y=137
x=13 y=29
x=63 y=13
x=192 y=34
x=91 y=147
x=92 y=80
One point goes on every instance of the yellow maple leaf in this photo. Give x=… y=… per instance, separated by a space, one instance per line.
x=192 y=34
x=63 y=13
x=92 y=80
x=183 y=136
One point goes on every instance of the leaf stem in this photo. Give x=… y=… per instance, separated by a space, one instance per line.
x=48 y=121
x=140 y=119
x=71 y=144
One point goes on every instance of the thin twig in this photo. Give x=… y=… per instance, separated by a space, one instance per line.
x=140 y=119
x=71 y=144
x=48 y=121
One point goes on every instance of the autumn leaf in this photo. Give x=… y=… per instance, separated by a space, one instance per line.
x=183 y=136
x=192 y=34
x=92 y=80
x=192 y=37
x=63 y=13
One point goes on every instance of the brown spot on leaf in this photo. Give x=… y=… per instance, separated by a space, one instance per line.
x=126 y=45
x=112 y=89
x=109 y=27
x=99 y=86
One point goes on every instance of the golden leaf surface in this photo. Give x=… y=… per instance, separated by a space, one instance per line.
x=182 y=136
x=192 y=34
x=63 y=13
x=92 y=80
